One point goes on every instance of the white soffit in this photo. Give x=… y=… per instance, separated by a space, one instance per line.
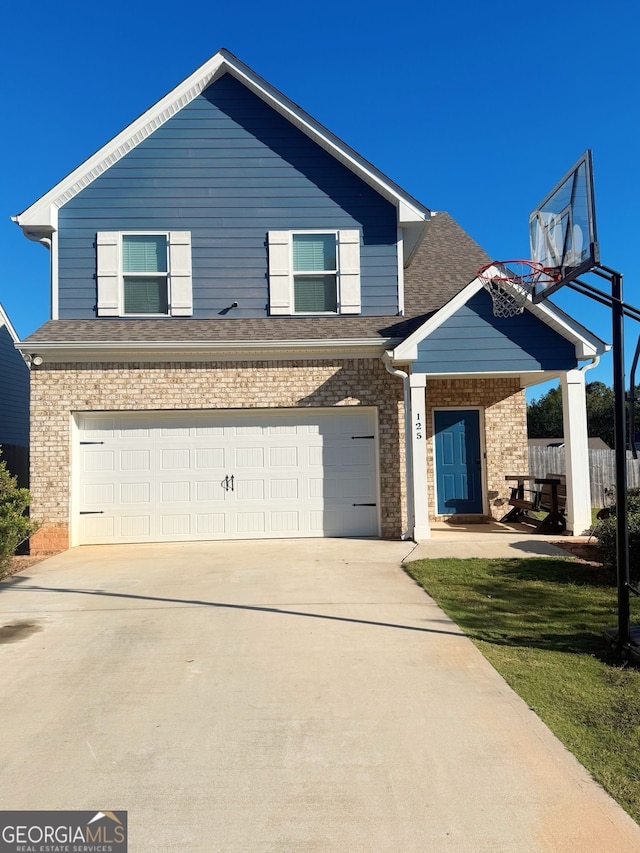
x=43 y=213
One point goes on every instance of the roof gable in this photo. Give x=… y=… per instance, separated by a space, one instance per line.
x=587 y=345
x=40 y=218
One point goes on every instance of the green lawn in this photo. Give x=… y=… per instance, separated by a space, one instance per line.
x=539 y=622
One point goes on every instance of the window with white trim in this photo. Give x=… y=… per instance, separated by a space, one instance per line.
x=314 y=272
x=142 y=274
x=145 y=284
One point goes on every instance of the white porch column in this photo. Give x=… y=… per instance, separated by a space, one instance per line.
x=574 y=413
x=418 y=450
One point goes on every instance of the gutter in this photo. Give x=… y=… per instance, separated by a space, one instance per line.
x=203 y=350
x=387 y=360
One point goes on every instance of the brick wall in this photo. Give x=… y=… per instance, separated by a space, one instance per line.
x=58 y=390
x=504 y=412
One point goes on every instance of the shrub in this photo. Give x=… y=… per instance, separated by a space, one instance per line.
x=607 y=536
x=15 y=527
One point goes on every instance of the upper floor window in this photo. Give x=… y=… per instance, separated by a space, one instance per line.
x=314 y=272
x=144 y=274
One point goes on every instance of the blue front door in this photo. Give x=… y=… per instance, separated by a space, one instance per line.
x=458 y=461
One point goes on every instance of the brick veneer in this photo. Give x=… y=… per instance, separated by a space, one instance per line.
x=58 y=390
x=504 y=409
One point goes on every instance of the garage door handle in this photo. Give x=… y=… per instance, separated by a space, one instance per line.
x=227 y=483
x=92 y=512
x=364 y=504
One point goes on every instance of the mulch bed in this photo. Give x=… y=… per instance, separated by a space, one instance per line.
x=20 y=564
x=582 y=550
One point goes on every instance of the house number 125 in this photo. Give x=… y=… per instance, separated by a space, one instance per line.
x=418 y=426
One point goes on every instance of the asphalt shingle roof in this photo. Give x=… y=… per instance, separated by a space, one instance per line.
x=444 y=263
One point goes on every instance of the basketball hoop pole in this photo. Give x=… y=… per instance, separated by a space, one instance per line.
x=620 y=432
x=619 y=310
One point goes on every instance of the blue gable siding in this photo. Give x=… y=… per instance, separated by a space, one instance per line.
x=14 y=388
x=474 y=341
x=227 y=168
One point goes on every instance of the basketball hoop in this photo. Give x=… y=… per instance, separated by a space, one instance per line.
x=510 y=283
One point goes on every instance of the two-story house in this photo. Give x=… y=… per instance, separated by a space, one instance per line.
x=256 y=333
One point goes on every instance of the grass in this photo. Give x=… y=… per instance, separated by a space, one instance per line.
x=539 y=622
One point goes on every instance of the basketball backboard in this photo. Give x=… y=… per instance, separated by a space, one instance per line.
x=562 y=229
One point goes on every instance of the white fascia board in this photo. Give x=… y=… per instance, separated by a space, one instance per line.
x=587 y=344
x=205 y=350
x=43 y=213
x=5 y=321
x=408 y=349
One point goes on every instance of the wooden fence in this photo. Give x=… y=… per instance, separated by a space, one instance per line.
x=602 y=471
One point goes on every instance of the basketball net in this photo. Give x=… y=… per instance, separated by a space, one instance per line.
x=510 y=283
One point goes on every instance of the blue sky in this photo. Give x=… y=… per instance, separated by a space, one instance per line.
x=473 y=108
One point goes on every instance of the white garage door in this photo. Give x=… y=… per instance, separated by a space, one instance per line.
x=172 y=476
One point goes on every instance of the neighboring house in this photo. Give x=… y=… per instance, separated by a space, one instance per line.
x=594 y=443
x=14 y=407
x=256 y=333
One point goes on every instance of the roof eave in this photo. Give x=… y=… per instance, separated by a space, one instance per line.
x=75 y=351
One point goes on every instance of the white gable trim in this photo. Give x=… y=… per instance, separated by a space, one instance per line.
x=5 y=321
x=43 y=213
x=587 y=345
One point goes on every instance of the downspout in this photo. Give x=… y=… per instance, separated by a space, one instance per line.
x=387 y=360
x=595 y=361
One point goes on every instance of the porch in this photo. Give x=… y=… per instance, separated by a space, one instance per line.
x=489 y=540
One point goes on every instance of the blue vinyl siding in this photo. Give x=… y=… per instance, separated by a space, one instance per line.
x=475 y=341
x=14 y=376
x=228 y=169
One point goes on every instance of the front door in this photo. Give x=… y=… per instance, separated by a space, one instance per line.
x=458 y=461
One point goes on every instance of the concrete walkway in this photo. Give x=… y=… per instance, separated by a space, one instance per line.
x=276 y=696
x=491 y=540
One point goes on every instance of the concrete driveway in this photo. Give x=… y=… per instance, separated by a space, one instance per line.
x=275 y=696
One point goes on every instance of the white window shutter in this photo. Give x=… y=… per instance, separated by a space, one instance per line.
x=280 y=272
x=180 y=277
x=349 y=271
x=108 y=273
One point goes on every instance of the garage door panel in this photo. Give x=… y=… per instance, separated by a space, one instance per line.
x=250 y=522
x=100 y=460
x=284 y=489
x=249 y=457
x=285 y=522
x=135 y=493
x=175 y=492
x=210 y=457
x=209 y=490
x=175 y=524
x=175 y=459
x=283 y=457
x=173 y=476
x=97 y=528
x=249 y=490
x=210 y=524
x=98 y=494
x=135 y=527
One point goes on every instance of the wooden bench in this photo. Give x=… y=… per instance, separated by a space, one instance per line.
x=547 y=494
